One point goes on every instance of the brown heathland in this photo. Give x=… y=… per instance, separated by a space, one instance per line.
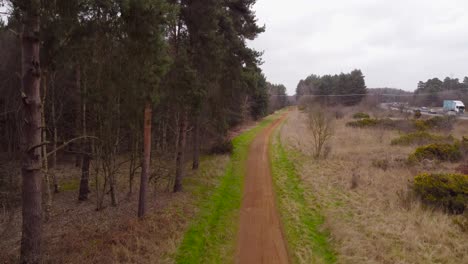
x=362 y=188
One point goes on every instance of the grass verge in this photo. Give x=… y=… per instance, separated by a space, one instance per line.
x=301 y=220
x=211 y=236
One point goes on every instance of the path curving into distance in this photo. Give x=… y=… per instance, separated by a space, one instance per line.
x=260 y=235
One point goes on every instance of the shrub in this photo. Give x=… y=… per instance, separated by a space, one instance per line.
x=419 y=138
x=437 y=151
x=222 y=147
x=417 y=114
x=440 y=122
x=366 y=122
x=361 y=115
x=320 y=124
x=449 y=191
x=420 y=125
x=463 y=168
x=464 y=146
x=339 y=114
x=381 y=164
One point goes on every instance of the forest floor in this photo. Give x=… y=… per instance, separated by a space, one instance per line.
x=206 y=211
x=77 y=233
x=260 y=235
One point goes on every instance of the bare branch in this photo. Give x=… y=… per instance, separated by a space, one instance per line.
x=68 y=142
x=38 y=146
x=14 y=32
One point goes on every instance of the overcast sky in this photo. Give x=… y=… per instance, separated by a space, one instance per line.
x=395 y=43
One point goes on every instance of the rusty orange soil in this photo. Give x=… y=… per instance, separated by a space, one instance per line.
x=260 y=235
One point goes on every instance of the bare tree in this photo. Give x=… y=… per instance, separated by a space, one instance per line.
x=180 y=151
x=322 y=129
x=146 y=160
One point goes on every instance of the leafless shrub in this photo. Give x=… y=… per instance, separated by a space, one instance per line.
x=355 y=180
x=327 y=151
x=406 y=199
x=380 y=134
x=462 y=222
x=321 y=127
x=355 y=175
x=463 y=168
x=339 y=114
x=382 y=164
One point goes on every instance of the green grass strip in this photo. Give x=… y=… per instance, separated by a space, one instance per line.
x=301 y=219
x=212 y=235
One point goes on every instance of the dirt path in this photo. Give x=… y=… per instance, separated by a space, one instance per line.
x=260 y=237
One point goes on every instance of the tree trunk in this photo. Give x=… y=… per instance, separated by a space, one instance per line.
x=164 y=135
x=55 y=138
x=177 y=134
x=84 y=182
x=113 y=189
x=196 y=144
x=133 y=165
x=45 y=161
x=78 y=156
x=146 y=160
x=180 y=153
x=31 y=166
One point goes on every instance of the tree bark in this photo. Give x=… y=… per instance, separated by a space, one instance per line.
x=45 y=161
x=146 y=160
x=84 y=182
x=113 y=189
x=55 y=137
x=133 y=165
x=78 y=157
x=164 y=134
x=31 y=166
x=196 y=144
x=180 y=153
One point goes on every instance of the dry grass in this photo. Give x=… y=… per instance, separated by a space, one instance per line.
x=77 y=233
x=369 y=211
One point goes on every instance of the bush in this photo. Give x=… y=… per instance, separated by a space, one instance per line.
x=360 y=115
x=366 y=122
x=417 y=114
x=463 y=168
x=437 y=151
x=419 y=138
x=437 y=123
x=339 y=114
x=421 y=125
x=449 y=191
x=382 y=164
x=440 y=122
x=320 y=124
x=222 y=147
x=464 y=146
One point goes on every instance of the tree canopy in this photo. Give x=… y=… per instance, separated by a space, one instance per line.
x=343 y=88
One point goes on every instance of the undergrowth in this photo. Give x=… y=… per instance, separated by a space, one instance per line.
x=361 y=115
x=302 y=222
x=449 y=191
x=437 y=151
x=419 y=138
x=211 y=236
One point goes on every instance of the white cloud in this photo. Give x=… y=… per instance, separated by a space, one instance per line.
x=395 y=43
